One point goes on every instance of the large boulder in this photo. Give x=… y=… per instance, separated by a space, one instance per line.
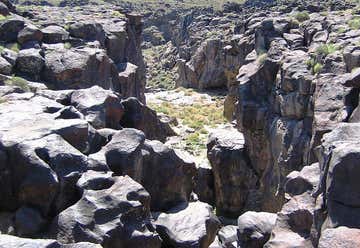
x=339 y=153
x=130 y=85
x=30 y=62
x=88 y=30
x=54 y=34
x=293 y=224
x=10 y=28
x=139 y=116
x=101 y=108
x=113 y=212
x=234 y=178
x=228 y=236
x=79 y=68
x=165 y=173
x=29 y=33
x=41 y=163
x=206 y=69
x=5 y=67
x=187 y=225
x=4 y=10
x=299 y=182
x=204 y=184
x=343 y=237
x=254 y=228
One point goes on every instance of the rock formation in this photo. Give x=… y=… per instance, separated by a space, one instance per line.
x=82 y=157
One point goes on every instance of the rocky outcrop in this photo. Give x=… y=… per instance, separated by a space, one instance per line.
x=234 y=177
x=205 y=70
x=61 y=172
x=79 y=54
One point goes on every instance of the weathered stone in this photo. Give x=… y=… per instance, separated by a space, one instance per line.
x=293 y=223
x=29 y=33
x=228 y=236
x=234 y=178
x=54 y=34
x=343 y=237
x=139 y=116
x=204 y=184
x=129 y=82
x=79 y=68
x=88 y=31
x=30 y=62
x=297 y=183
x=5 y=66
x=167 y=175
x=127 y=225
x=255 y=228
x=187 y=225
x=28 y=221
x=9 y=29
x=101 y=108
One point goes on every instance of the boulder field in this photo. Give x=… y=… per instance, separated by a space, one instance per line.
x=83 y=160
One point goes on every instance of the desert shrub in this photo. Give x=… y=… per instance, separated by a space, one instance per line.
x=67 y=45
x=302 y=16
x=326 y=49
x=354 y=23
x=317 y=68
x=19 y=82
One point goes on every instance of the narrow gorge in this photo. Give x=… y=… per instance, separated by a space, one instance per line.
x=179 y=124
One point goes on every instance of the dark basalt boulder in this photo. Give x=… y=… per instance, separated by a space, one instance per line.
x=234 y=178
x=187 y=225
x=54 y=34
x=88 y=31
x=340 y=237
x=101 y=108
x=79 y=68
x=113 y=212
x=5 y=67
x=254 y=228
x=10 y=28
x=299 y=182
x=29 y=33
x=167 y=175
x=30 y=62
x=139 y=116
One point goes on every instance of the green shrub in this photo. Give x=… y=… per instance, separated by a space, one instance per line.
x=317 y=68
x=2 y=100
x=341 y=30
x=302 y=16
x=354 y=23
x=117 y=14
x=261 y=58
x=19 y=82
x=67 y=45
x=14 y=47
x=326 y=49
x=2 y=18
